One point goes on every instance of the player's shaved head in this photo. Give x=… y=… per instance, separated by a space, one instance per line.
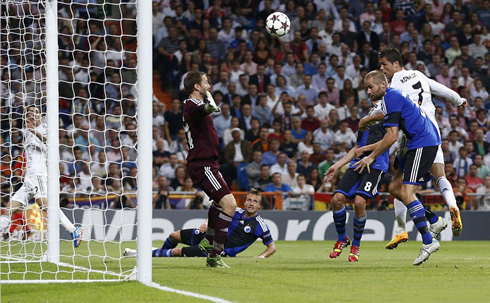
x=376 y=84
x=377 y=76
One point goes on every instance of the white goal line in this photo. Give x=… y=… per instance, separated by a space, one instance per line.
x=186 y=293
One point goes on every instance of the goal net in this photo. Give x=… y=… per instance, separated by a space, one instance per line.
x=69 y=140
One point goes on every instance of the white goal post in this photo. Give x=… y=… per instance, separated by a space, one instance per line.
x=49 y=256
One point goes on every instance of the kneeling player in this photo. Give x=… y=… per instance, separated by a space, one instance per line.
x=361 y=185
x=246 y=227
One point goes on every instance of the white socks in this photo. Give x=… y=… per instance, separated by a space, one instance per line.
x=447 y=192
x=5 y=222
x=66 y=222
x=401 y=215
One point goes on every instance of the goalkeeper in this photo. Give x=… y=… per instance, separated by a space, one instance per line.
x=246 y=227
x=35 y=176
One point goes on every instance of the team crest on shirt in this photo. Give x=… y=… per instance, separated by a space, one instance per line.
x=247 y=229
x=196 y=231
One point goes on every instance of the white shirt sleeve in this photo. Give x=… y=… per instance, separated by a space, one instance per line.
x=442 y=91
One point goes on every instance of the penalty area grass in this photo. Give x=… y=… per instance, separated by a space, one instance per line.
x=300 y=271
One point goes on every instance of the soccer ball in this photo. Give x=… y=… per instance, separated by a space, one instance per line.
x=277 y=24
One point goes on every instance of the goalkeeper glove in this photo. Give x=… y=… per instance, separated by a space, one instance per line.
x=211 y=107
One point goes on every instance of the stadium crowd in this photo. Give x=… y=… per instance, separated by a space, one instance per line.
x=290 y=106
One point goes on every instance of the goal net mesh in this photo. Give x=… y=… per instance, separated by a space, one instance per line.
x=97 y=137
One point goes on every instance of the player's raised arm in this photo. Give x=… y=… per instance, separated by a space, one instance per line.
x=440 y=90
x=332 y=171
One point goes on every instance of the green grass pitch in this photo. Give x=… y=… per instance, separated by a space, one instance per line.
x=299 y=272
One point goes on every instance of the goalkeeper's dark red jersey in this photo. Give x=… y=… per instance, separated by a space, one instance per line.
x=201 y=134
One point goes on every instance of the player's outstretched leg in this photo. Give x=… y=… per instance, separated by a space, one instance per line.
x=437 y=170
x=431 y=245
x=339 y=217
x=448 y=194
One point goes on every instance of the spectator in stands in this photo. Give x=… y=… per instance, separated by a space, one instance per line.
x=481 y=119
x=297 y=132
x=314 y=179
x=161 y=200
x=317 y=156
x=306 y=144
x=462 y=162
x=454 y=51
x=367 y=35
x=480 y=146
x=216 y=47
x=460 y=132
x=483 y=170
x=252 y=98
x=290 y=176
x=297 y=79
x=130 y=182
x=483 y=202
x=323 y=108
x=308 y=90
x=180 y=175
x=173 y=119
x=325 y=164
x=223 y=84
x=280 y=166
x=323 y=136
x=168 y=170
x=223 y=121
x=179 y=144
x=262 y=143
x=333 y=92
x=160 y=156
x=345 y=135
x=310 y=123
x=253 y=168
x=246 y=118
x=188 y=186
x=302 y=189
x=277 y=130
x=248 y=66
x=237 y=152
x=263 y=111
x=265 y=179
x=227 y=134
x=166 y=47
x=278 y=187
x=270 y=157
x=242 y=85
x=288 y=146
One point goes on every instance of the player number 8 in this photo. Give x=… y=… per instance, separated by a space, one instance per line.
x=368 y=185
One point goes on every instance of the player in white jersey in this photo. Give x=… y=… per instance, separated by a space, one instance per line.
x=420 y=89
x=35 y=184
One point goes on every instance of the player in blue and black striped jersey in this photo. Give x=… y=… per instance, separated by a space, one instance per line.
x=361 y=185
x=423 y=141
x=246 y=227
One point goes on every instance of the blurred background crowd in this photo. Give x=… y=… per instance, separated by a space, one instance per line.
x=290 y=106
